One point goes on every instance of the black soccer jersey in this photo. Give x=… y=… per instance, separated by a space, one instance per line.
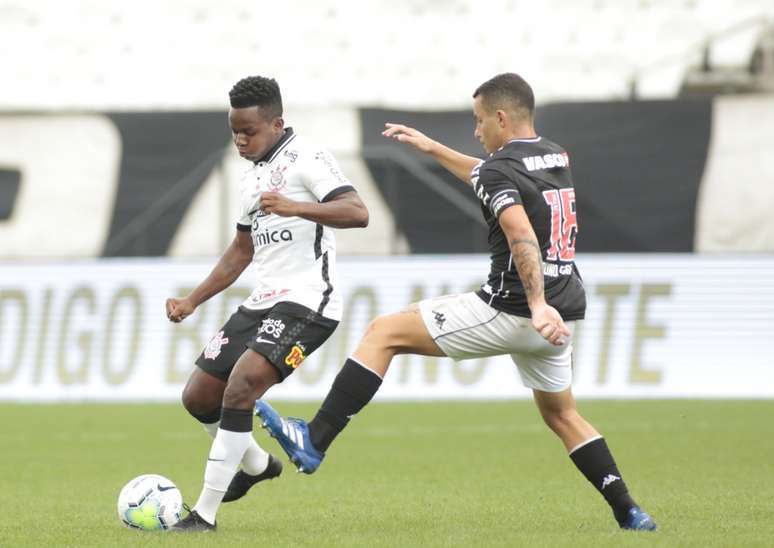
x=534 y=173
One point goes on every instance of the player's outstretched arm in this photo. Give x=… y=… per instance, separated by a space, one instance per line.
x=458 y=164
x=346 y=210
x=529 y=264
x=232 y=263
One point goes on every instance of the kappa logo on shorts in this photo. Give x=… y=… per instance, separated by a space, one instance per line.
x=295 y=357
x=439 y=319
x=272 y=327
x=212 y=350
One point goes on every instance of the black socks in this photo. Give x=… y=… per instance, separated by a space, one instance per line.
x=352 y=389
x=597 y=464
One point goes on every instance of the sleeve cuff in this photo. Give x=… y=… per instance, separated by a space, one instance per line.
x=336 y=191
x=243 y=228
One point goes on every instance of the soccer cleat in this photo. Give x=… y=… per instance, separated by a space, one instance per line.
x=242 y=481
x=292 y=435
x=637 y=520
x=193 y=523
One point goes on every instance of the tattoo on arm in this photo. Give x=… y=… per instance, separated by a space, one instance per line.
x=529 y=264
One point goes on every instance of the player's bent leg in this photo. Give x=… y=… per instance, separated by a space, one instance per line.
x=403 y=332
x=561 y=415
x=251 y=377
x=257 y=464
x=354 y=386
x=203 y=396
x=588 y=450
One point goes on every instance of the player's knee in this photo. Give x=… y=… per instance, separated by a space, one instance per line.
x=380 y=332
x=198 y=406
x=243 y=389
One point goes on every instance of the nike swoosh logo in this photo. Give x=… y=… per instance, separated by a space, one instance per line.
x=216 y=460
x=267 y=341
x=167 y=488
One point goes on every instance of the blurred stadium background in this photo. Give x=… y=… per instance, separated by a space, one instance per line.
x=117 y=180
x=118 y=189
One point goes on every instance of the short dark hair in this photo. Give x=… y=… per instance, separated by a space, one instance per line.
x=257 y=91
x=507 y=90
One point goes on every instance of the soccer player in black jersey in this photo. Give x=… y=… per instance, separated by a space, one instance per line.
x=527 y=307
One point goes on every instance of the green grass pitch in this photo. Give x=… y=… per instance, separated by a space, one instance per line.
x=403 y=474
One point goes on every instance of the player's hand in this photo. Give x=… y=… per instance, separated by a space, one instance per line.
x=547 y=321
x=279 y=204
x=179 y=309
x=409 y=135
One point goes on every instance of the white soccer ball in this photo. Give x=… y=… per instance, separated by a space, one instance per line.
x=150 y=502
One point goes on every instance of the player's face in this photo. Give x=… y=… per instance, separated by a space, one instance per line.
x=489 y=129
x=253 y=133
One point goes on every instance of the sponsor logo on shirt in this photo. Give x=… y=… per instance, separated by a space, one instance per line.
x=330 y=164
x=500 y=201
x=265 y=295
x=546 y=161
x=292 y=154
x=268 y=237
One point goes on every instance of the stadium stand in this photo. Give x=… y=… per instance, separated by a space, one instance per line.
x=403 y=53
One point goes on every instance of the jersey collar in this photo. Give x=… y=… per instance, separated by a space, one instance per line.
x=531 y=140
x=269 y=156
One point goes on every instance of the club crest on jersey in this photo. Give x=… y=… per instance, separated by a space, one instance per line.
x=212 y=350
x=295 y=357
x=277 y=178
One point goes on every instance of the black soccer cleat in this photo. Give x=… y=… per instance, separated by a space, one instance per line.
x=242 y=481
x=193 y=523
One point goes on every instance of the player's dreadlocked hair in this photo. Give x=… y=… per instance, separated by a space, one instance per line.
x=257 y=91
x=507 y=90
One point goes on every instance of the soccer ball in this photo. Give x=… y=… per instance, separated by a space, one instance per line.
x=150 y=502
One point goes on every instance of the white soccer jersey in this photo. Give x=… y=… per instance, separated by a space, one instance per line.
x=295 y=258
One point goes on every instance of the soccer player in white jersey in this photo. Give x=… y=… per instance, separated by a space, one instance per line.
x=527 y=308
x=291 y=198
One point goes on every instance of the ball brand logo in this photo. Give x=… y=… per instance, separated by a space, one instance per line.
x=295 y=357
x=212 y=350
x=268 y=237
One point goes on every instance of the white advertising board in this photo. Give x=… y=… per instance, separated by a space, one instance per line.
x=656 y=326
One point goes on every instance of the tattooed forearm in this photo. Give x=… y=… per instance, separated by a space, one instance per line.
x=529 y=264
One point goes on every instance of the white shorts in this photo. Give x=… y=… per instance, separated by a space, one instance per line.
x=465 y=327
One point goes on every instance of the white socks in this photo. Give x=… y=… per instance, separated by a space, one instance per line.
x=226 y=452
x=255 y=459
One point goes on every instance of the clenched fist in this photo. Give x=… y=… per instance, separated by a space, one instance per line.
x=179 y=309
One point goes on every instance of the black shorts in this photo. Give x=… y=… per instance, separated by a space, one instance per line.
x=285 y=335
